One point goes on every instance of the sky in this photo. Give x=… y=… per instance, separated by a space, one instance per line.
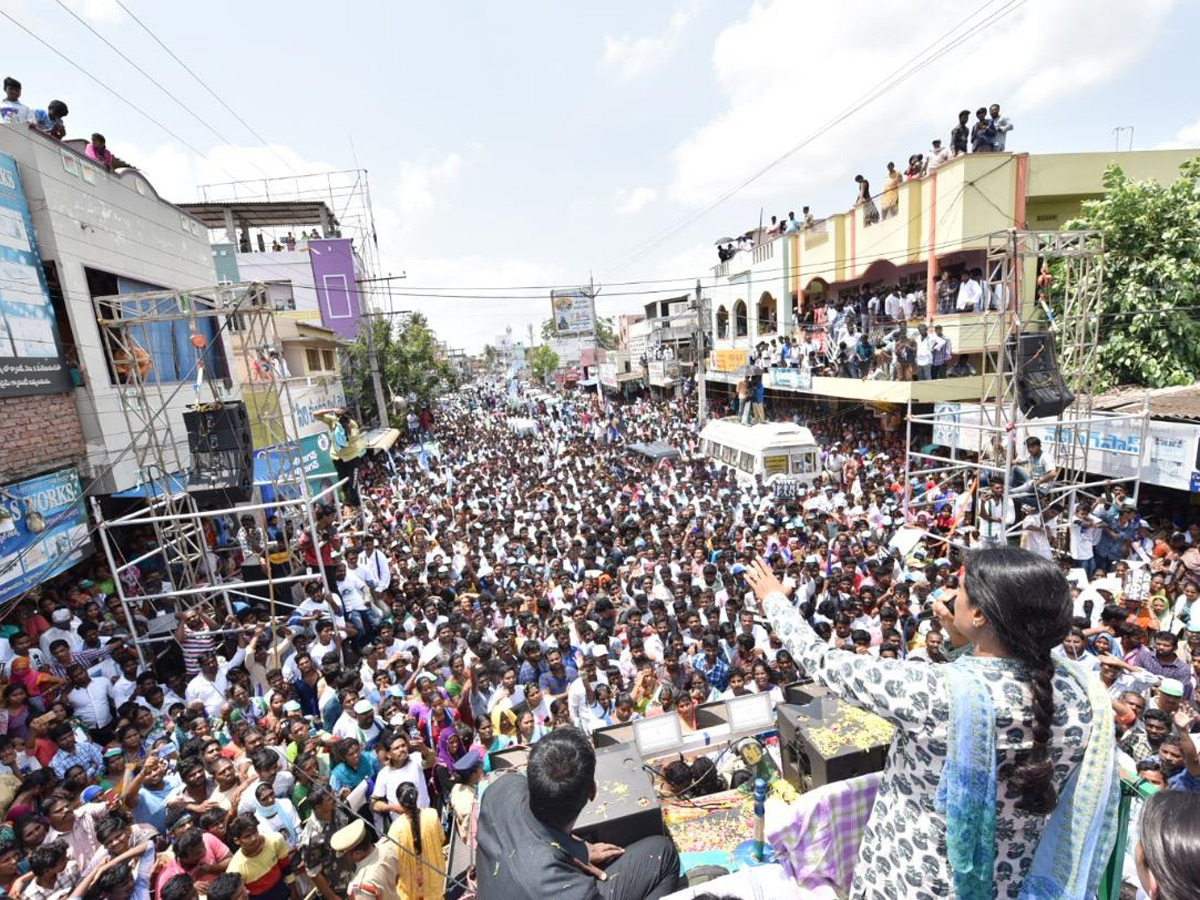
x=511 y=147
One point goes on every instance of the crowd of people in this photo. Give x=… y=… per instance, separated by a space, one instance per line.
x=484 y=593
x=50 y=122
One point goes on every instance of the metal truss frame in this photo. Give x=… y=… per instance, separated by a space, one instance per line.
x=1028 y=275
x=159 y=444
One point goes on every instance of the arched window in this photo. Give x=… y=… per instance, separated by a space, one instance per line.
x=722 y=323
x=741 y=322
x=767 y=315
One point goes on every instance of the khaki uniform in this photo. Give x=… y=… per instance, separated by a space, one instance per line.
x=377 y=874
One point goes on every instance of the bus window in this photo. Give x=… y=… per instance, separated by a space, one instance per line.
x=746 y=464
x=800 y=464
x=728 y=454
x=775 y=465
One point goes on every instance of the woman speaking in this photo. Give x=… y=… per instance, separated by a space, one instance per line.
x=1001 y=781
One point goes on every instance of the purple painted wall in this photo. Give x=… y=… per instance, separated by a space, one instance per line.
x=337 y=290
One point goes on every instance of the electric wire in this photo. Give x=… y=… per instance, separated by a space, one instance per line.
x=204 y=85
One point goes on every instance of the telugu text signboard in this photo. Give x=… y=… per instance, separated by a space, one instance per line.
x=43 y=530
x=31 y=360
x=796 y=379
x=726 y=360
x=573 y=312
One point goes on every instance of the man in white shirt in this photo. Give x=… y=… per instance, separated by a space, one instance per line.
x=924 y=353
x=211 y=683
x=375 y=563
x=359 y=724
x=970 y=294
x=1040 y=533
x=937 y=156
x=355 y=598
x=401 y=768
x=90 y=698
x=59 y=630
x=891 y=305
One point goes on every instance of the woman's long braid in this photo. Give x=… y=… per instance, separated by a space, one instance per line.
x=1033 y=775
x=406 y=797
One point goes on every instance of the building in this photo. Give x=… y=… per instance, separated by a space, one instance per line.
x=312 y=278
x=668 y=354
x=780 y=288
x=510 y=353
x=72 y=232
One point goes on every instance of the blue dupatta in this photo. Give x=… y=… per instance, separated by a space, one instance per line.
x=1079 y=834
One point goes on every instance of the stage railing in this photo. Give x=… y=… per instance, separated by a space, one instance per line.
x=1131 y=788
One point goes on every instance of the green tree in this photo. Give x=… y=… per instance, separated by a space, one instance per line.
x=1149 y=330
x=409 y=363
x=604 y=332
x=543 y=362
x=491 y=358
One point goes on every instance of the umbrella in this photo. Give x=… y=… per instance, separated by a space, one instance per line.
x=724 y=240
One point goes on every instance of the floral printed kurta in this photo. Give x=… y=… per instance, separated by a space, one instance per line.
x=903 y=851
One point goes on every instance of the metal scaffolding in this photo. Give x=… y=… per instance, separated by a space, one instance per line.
x=1028 y=275
x=137 y=328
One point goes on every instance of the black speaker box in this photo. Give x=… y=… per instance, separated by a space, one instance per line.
x=801 y=760
x=1041 y=392
x=218 y=427
x=222 y=450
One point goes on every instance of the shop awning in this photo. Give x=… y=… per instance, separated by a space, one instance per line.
x=381 y=438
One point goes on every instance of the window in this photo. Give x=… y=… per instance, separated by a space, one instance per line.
x=741 y=323
x=722 y=323
x=767 y=320
x=330 y=362
x=746 y=462
x=728 y=454
x=775 y=465
x=312 y=357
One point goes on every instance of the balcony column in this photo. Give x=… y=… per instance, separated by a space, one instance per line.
x=230 y=227
x=931 y=274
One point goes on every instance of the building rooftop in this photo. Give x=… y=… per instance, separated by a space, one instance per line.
x=263 y=214
x=1181 y=402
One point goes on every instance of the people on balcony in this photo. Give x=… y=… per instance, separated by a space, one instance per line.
x=937 y=156
x=1002 y=125
x=970 y=293
x=983 y=133
x=98 y=151
x=791 y=226
x=943 y=351
x=866 y=201
x=11 y=108
x=960 y=134
x=891 y=191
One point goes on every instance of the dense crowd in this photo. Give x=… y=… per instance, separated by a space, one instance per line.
x=480 y=592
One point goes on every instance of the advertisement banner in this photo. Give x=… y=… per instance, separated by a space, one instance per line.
x=31 y=359
x=726 y=360
x=43 y=530
x=608 y=375
x=270 y=463
x=573 y=312
x=796 y=379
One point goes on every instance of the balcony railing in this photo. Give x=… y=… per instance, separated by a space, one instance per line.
x=764 y=252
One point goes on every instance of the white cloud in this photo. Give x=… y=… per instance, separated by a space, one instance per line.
x=416 y=183
x=177 y=173
x=632 y=57
x=98 y=12
x=631 y=201
x=779 y=91
x=1186 y=137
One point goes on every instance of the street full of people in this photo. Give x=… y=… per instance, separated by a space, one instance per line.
x=492 y=586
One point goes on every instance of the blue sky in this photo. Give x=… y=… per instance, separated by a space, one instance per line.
x=514 y=144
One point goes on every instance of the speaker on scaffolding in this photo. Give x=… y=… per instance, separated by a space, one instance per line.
x=222 y=451
x=1041 y=391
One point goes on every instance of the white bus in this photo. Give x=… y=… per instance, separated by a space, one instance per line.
x=775 y=450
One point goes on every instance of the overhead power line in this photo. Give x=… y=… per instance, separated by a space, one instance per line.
x=200 y=81
x=49 y=46
x=82 y=21
x=914 y=65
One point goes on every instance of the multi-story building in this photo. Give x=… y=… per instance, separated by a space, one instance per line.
x=668 y=344
x=941 y=223
x=70 y=232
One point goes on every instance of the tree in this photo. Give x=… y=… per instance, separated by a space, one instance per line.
x=1149 y=330
x=409 y=363
x=491 y=358
x=543 y=362
x=605 y=334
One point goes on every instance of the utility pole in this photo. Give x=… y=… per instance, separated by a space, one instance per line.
x=701 y=360
x=373 y=362
x=592 y=292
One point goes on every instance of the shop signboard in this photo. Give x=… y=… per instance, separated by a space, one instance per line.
x=31 y=361
x=796 y=379
x=43 y=530
x=726 y=360
x=608 y=374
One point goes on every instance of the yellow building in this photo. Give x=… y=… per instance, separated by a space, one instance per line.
x=941 y=223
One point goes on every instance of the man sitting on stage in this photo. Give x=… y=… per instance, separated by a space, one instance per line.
x=525 y=846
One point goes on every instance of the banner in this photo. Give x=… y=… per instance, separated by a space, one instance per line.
x=573 y=312
x=31 y=360
x=608 y=375
x=797 y=379
x=43 y=530
x=726 y=360
x=270 y=463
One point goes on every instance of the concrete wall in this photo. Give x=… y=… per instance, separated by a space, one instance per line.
x=333 y=267
x=290 y=266
x=87 y=217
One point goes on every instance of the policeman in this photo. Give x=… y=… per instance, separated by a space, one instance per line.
x=377 y=865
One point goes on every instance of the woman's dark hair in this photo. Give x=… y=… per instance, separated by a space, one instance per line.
x=406 y=797
x=1027 y=602
x=1170 y=838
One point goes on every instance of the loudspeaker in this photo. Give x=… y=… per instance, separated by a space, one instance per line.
x=803 y=765
x=1041 y=392
x=222 y=452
